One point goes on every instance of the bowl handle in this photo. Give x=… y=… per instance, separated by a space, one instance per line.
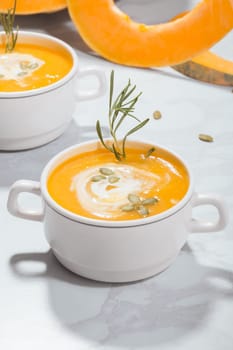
x=99 y=91
x=16 y=209
x=209 y=226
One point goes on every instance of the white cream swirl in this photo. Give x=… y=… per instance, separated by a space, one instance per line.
x=16 y=66
x=104 y=199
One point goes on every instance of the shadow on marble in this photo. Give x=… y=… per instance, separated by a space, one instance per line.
x=29 y=164
x=48 y=23
x=161 y=309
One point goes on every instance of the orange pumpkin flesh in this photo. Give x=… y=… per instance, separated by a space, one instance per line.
x=112 y=34
x=26 y=7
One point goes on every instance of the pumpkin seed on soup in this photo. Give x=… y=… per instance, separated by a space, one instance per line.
x=1 y=76
x=106 y=171
x=150 y=201
x=33 y=66
x=134 y=199
x=128 y=207
x=113 y=179
x=24 y=65
x=97 y=178
x=143 y=211
x=21 y=74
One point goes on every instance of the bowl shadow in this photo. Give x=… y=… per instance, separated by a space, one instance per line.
x=158 y=310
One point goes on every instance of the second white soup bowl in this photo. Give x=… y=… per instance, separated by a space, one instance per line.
x=34 y=117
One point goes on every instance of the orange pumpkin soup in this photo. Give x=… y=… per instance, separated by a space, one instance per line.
x=31 y=67
x=96 y=185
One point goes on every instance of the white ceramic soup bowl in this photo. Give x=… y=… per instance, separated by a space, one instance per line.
x=34 y=117
x=114 y=251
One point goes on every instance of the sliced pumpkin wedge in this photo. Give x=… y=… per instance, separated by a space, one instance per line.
x=209 y=68
x=115 y=36
x=27 y=7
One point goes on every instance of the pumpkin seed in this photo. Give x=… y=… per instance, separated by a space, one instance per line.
x=97 y=178
x=106 y=171
x=24 y=65
x=133 y=198
x=149 y=152
x=127 y=207
x=143 y=211
x=33 y=65
x=1 y=76
x=22 y=74
x=112 y=179
x=27 y=65
x=205 y=138
x=157 y=115
x=150 y=201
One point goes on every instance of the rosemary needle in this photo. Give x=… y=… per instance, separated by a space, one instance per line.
x=7 y=21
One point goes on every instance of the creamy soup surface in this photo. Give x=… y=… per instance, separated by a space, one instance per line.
x=96 y=185
x=31 y=67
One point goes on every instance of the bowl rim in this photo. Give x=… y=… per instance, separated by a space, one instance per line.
x=112 y=223
x=50 y=87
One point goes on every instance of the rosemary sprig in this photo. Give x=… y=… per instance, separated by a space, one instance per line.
x=118 y=110
x=7 y=21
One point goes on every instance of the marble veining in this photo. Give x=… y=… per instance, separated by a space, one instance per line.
x=186 y=307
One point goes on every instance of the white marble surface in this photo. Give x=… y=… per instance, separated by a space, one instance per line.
x=188 y=306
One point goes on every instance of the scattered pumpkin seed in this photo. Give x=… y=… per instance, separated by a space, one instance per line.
x=133 y=198
x=112 y=179
x=150 y=201
x=1 y=76
x=157 y=115
x=128 y=207
x=143 y=211
x=22 y=74
x=106 y=171
x=97 y=178
x=149 y=152
x=205 y=138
